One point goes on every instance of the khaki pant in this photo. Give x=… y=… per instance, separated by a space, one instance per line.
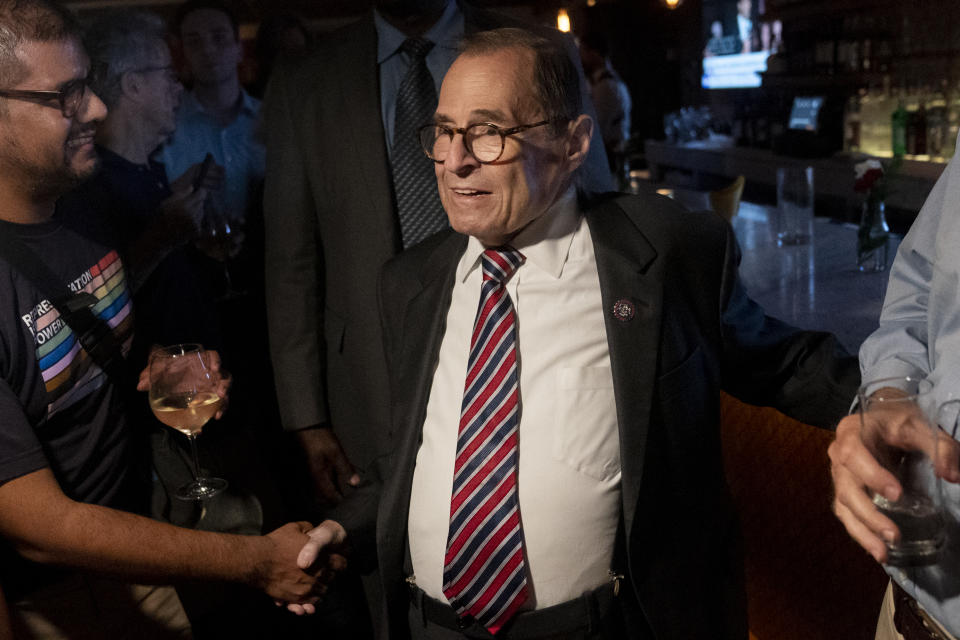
x=81 y=607
x=886 y=630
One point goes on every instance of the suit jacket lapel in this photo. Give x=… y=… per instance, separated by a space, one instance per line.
x=427 y=299
x=624 y=258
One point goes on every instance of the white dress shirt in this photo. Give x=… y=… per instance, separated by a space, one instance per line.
x=569 y=451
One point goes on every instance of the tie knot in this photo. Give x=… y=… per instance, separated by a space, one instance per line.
x=498 y=264
x=416 y=48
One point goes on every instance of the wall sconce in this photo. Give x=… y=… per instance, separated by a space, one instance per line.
x=672 y=4
x=563 y=21
x=591 y=3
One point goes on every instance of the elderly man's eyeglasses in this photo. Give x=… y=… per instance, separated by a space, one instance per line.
x=484 y=141
x=70 y=96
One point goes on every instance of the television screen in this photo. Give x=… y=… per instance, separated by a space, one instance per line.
x=737 y=43
x=804 y=113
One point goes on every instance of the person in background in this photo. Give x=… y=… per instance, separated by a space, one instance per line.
x=75 y=561
x=153 y=222
x=745 y=29
x=611 y=98
x=581 y=344
x=216 y=115
x=279 y=36
x=917 y=337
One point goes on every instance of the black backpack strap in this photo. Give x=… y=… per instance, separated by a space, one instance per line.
x=75 y=309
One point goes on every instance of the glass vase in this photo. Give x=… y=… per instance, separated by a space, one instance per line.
x=873 y=236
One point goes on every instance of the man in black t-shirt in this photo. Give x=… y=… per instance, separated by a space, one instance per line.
x=65 y=469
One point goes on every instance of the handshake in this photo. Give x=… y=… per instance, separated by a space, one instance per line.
x=319 y=554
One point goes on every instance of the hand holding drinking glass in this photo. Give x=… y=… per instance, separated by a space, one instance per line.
x=902 y=430
x=185 y=392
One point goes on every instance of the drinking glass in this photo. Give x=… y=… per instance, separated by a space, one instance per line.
x=794 y=205
x=183 y=395
x=903 y=438
x=219 y=240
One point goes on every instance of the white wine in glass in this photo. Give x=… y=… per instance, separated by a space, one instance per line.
x=183 y=395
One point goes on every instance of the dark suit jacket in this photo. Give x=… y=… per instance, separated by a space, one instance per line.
x=694 y=333
x=330 y=225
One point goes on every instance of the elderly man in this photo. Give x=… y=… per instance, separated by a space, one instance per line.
x=68 y=464
x=151 y=220
x=348 y=188
x=555 y=370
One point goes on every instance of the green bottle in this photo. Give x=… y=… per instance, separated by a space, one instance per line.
x=898 y=122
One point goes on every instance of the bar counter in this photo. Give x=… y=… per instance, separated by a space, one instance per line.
x=813 y=286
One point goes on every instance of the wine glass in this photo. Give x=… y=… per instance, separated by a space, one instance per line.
x=183 y=395
x=219 y=240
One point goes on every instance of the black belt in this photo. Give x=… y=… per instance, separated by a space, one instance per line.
x=585 y=612
x=912 y=622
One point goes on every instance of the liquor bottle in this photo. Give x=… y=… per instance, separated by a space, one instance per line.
x=920 y=143
x=937 y=122
x=916 y=124
x=868 y=120
x=851 y=124
x=898 y=128
x=953 y=121
x=882 y=110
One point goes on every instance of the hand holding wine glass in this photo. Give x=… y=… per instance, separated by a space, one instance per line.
x=185 y=392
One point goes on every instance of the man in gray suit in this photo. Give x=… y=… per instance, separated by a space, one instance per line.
x=331 y=210
x=557 y=469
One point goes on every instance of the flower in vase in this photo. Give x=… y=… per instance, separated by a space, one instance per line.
x=869 y=179
x=873 y=232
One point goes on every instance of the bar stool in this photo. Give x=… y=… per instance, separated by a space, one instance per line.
x=726 y=201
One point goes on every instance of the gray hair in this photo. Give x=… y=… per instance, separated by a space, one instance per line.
x=556 y=83
x=121 y=41
x=29 y=20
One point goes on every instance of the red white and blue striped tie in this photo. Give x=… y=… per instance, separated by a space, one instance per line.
x=484 y=574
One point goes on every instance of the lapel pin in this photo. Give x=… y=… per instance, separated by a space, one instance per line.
x=623 y=310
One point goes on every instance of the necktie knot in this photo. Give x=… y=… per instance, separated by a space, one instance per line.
x=499 y=264
x=416 y=48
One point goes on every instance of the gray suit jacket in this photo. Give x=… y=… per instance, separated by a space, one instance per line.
x=330 y=225
x=694 y=332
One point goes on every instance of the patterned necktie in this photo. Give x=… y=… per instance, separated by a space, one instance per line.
x=483 y=573
x=415 y=184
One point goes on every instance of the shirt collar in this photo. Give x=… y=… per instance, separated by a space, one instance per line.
x=444 y=33
x=249 y=106
x=545 y=242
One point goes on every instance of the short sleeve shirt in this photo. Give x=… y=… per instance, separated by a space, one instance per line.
x=57 y=407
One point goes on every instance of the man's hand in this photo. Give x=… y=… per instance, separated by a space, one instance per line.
x=855 y=470
x=211 y=359
x=212 y=181
x=328 y=464
x=324 y=556
x=278 y=574
x=855 y=464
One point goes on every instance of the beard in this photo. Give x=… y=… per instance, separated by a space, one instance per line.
x=52 y=180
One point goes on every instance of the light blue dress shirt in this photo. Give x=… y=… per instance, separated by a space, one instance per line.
x=919 y=335
x=393 y=64
x=238 y=148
